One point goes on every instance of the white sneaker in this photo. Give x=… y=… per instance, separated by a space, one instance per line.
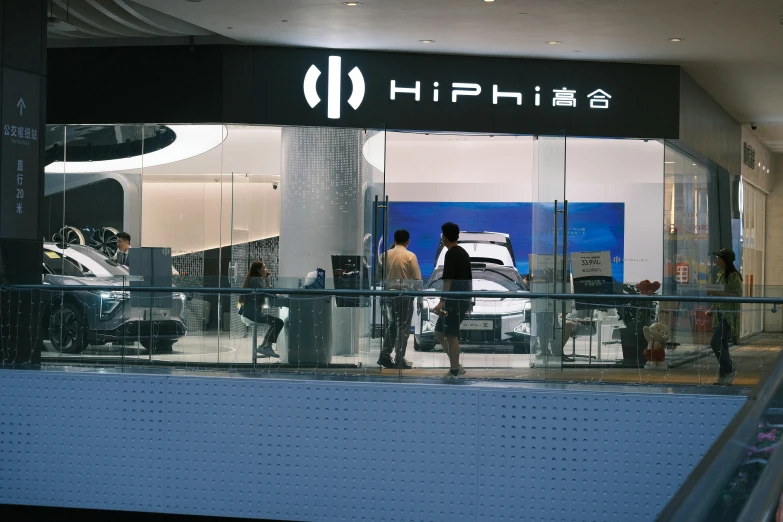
x=449 y=375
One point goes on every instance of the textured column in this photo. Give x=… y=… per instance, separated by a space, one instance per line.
x=323 y=214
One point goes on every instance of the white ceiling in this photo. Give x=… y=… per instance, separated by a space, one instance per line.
x=733 y=48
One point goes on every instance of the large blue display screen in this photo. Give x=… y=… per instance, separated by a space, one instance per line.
x=592 y=227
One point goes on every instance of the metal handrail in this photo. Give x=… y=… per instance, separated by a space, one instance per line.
x=694 y=499
x=411 y=293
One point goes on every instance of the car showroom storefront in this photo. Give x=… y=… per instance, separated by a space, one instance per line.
x=310 y=158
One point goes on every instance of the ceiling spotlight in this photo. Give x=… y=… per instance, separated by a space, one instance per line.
x=427 y=41
x=489 y=1
x=553 y=42
x=352 y=4
x=676 y=39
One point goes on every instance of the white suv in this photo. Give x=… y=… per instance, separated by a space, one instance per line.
x=493 y=248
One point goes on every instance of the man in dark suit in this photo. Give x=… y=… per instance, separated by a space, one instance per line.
x=123 y=245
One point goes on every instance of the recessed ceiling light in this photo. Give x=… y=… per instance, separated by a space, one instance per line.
x=427 y=41
x=352 y=4
x=553 y=42
x=668 y=162
x=676 y=39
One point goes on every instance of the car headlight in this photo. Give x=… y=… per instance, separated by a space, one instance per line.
x=522 y=328
x=110 y=301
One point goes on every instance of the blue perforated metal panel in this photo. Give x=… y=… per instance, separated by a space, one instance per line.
x=552 y=456
x=320 y=450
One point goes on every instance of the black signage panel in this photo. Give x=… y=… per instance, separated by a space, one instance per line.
x=20 y=122
x=463 y=93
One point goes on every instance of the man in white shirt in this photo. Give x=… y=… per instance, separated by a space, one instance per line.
x=400 y=272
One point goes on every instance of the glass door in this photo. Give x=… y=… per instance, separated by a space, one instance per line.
x=239 y=248
x=549 y=269
x=375 y=237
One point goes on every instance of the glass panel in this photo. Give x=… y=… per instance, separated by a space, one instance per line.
x=750 y=258
x=375 y=241
x=93 y=187
x=615 y=199
x=686 y=248
x=548 y=263
x=483 y=184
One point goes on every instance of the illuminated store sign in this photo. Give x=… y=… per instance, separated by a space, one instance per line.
x=362 y=89
x=335 y=84
x=425 y=92
x=597 y=99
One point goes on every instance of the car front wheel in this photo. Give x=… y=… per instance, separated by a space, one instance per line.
x=67 y=330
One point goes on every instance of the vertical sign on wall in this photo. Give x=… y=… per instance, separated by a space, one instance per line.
x=20 y=161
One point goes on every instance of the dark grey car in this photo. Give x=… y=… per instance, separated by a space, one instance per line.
x=75 y=319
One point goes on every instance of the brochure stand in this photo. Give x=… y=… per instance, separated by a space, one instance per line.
x=591 y=273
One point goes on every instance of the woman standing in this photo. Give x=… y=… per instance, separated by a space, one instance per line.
x=252 y=306
x=725 y=316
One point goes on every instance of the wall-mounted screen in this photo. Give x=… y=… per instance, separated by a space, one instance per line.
x=592 y=227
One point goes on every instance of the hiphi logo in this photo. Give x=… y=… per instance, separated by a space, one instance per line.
x=333 y=92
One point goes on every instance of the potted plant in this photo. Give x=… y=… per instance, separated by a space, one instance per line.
x=635 y=315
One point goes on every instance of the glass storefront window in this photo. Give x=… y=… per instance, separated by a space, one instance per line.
x=303 y=200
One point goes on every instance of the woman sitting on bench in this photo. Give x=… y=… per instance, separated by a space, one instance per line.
x=252 y=307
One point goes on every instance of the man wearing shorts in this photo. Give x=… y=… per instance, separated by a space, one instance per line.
x=457 y=277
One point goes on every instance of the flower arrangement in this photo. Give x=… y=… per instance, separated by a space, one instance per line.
x=637 y=314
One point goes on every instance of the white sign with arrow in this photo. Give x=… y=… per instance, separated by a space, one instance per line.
x=21 y=106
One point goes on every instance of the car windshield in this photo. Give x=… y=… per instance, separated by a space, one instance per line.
x=484 y=279
x=90 y=262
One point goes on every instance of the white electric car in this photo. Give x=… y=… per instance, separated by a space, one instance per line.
x=494 y=323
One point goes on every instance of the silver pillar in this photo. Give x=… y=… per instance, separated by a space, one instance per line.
x=323 y=215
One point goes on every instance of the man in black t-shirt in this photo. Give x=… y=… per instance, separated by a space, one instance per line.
x=457 y=277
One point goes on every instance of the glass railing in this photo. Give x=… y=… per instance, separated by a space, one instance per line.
x=740 y=479
x=501 y=329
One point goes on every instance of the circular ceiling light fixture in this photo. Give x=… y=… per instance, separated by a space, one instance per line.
x=427 y=41
x=554 y=42
x=191 y=141
x=675 y=40
x=352 y=4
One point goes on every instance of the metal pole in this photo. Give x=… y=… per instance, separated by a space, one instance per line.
x=565 y=272
x=554 y=276
x=372 y=249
